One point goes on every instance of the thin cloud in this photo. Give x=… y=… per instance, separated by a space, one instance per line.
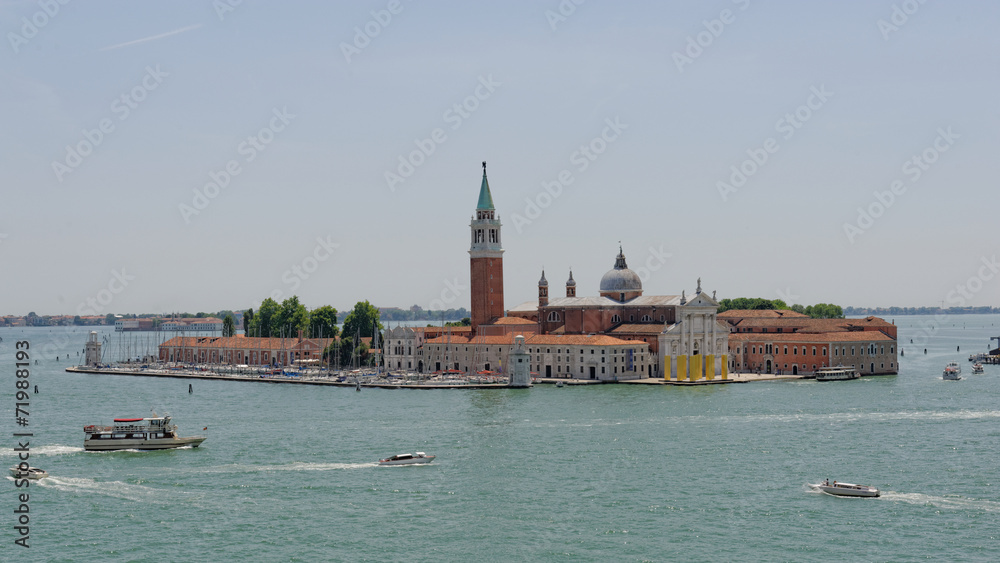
x=152 y=37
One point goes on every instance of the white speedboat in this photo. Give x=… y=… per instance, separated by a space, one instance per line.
x=29 y=473
x=951 y=374
x=847 y=489
x=407 y=459
x=838 y=373
x=954 y=366
x=977 y=368
x=154 y=433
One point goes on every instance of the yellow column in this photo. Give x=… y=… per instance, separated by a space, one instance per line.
x=682 y=367
x=695 y=368
x=725 y=366
x=710 y=367
x=666 y=367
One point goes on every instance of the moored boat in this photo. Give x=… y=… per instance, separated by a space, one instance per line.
x=153 y=433
x=30 y=473
x=847 y=489
x=838 y=373
x=407 y=459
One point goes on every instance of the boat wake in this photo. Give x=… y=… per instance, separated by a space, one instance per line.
x=116 y=489
x=951 y=503
x=44 y=450
x=296 y=466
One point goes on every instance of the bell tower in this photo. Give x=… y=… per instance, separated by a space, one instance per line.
x=486 y=260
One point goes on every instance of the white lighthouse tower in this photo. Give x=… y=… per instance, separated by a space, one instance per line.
x=92 y=354
x=519 y=364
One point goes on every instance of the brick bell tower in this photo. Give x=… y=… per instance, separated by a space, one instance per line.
x=486 y=260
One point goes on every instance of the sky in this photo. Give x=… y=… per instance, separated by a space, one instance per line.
x=161 y=157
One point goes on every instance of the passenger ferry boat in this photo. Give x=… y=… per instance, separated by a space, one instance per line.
x=838 y=373
x=952 y=372
x=977 y=368
x=154 y=433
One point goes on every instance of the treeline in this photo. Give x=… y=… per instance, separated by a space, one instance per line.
x=882 y=311
x=361 y=326
x=416 y=313
x=817 y=311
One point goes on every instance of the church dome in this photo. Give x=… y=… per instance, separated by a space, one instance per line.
x=620 y=278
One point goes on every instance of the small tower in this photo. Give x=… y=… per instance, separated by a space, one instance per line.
x=543 y=291
x=92 y=352
x=519 y=364
x=571 y=285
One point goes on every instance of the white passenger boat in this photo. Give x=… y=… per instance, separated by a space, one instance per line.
x=30 y=473
x=154 y=433
x=847 y=489
x=407 y=459
x=977 y=368
x=838 y=373
x=951 y=374
x=954 y=366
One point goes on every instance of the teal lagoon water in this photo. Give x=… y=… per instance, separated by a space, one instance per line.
x=596 y=473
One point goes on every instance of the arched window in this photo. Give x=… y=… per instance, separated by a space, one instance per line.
x=616 y=319
x=553 y=317
x=647 y=319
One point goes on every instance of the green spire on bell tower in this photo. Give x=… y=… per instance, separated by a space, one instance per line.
x=485 y=197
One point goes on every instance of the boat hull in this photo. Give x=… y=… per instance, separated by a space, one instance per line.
x=105 y=445
x=849 y=491
x=410 y=461
x=33 y=473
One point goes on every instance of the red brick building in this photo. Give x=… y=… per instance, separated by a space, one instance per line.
x=787 y=342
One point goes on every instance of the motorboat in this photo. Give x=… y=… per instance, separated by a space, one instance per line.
x=407 y=459
x=977 y=368
x=29 y=473
x=954 y=366
x=951 y=374
x=153 y=433
x=847 y=489
x=838 y=373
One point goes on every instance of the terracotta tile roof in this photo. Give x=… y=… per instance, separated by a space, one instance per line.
x=540 y=340
x=761 y=314
x=638 y=329
x=240 y=342
x=512 y=321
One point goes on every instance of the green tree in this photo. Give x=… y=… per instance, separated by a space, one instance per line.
x=109 y=319
x=247 y=317
x=261 y=325
x=77 y=320
x=290 y=318
x=361 y=320
x=323 y=322
x=228 y=326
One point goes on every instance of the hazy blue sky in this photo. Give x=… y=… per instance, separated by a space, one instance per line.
x=313 y=106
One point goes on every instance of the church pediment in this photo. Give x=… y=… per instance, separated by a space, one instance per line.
x=702 y=300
